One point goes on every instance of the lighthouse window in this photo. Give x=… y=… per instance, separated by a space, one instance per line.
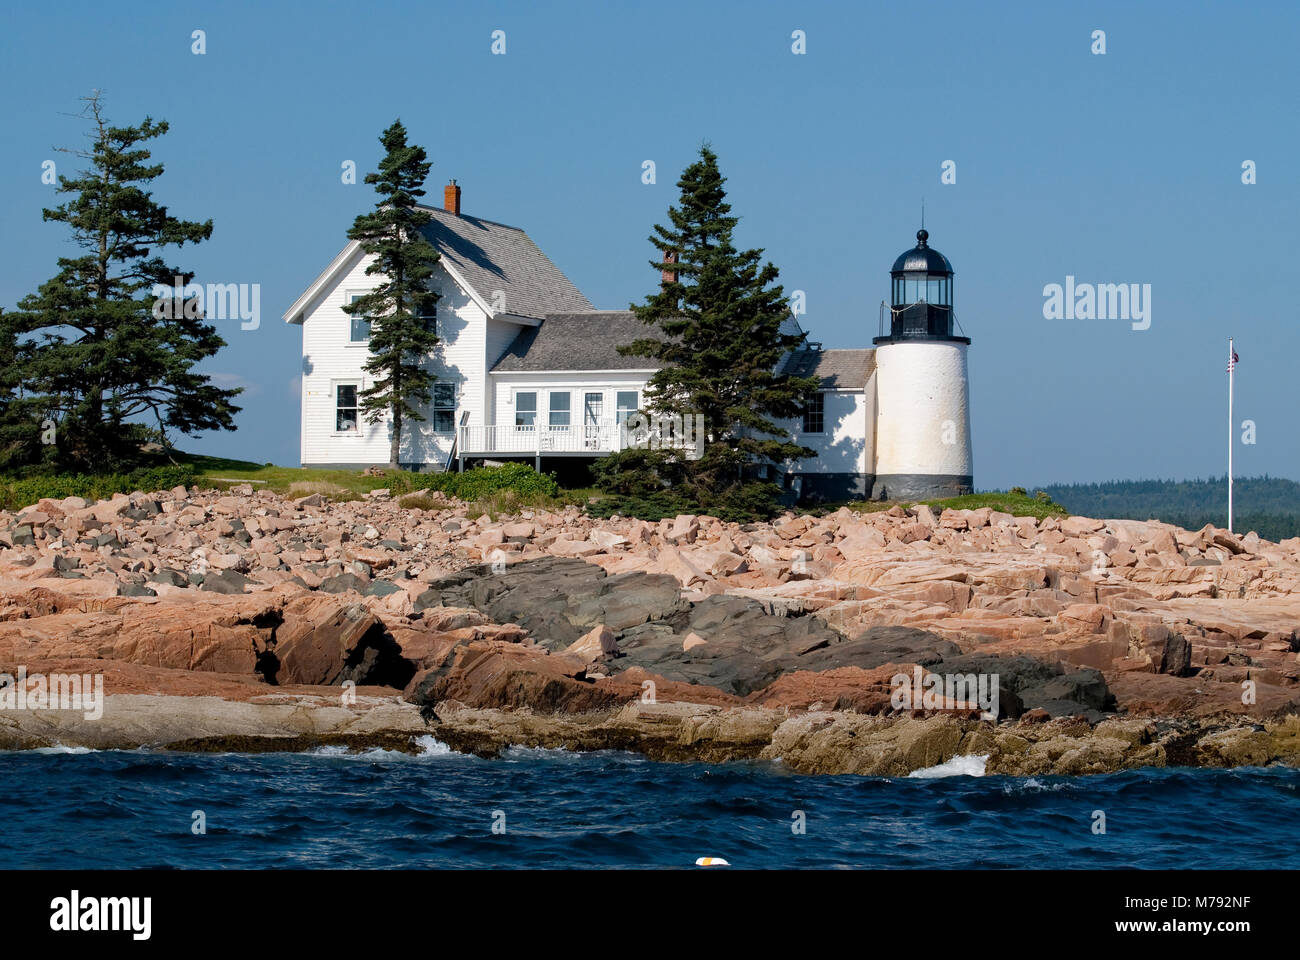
x=934 y=290
x=814 y=417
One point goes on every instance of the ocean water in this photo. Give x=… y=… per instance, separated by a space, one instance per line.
x=81 y=809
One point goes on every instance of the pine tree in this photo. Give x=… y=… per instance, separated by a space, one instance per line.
x=401 y=309
x=94 y=354
x=19 y=420
x=720 y=315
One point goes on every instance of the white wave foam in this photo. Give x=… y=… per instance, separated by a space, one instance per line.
x=330 y=751
x=429 y=747
x=520 y=752
x=968 y=766
x=426 y=744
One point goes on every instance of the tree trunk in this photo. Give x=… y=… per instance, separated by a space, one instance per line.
x=395 y=447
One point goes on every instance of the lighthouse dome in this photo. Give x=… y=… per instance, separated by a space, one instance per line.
x=922 y=258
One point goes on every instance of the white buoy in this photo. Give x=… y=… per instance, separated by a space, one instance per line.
x=711 y=862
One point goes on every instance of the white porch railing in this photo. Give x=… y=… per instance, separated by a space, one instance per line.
x=680 y=433
x=596 y=439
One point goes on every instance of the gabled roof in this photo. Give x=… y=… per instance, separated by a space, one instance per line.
x=838 y=369
x=490 y=256
x=484 y=257
x=578 y=341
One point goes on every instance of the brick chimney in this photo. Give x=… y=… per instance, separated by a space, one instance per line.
x=669 y=276
x=451 y=198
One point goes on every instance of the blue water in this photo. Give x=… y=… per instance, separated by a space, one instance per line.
x=378 y=809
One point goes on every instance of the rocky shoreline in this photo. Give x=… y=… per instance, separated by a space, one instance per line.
x=243 y=621
x=813 y=742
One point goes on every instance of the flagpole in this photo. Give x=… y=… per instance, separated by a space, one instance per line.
x=1231 y=367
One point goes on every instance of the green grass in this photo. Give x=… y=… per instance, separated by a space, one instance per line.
x=336 y=484
x=1016 y=502
x=23 y=489
x=410 y=487
x=221 y=473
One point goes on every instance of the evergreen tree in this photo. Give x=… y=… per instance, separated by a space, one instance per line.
x=94 y=353
x=720 y=314
x=19 y=423
x=401 y=309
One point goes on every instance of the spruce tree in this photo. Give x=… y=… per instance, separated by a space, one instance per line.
x=19 y=419
x=401 y=309
x=94 y=355
x=720 y=315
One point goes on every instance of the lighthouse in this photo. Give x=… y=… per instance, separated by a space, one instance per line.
x=922 y=448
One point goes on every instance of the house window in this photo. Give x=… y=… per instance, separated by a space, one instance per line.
x=593 y=408
x=626 y=405
x=559 y=409
x=360 y=331
x=526 y=410
x=444 y=407
x=345 y=408
x=814 y=417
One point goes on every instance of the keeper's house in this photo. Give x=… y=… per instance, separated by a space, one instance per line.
x=527 y=369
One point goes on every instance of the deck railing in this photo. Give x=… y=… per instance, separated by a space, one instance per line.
x=684 y=433
x=538 y=440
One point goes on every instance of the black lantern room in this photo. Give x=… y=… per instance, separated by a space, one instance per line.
x=921 y=296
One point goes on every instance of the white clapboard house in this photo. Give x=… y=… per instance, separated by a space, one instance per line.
x=528 y=370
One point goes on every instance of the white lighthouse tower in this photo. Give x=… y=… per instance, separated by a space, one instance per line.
x=922 y=448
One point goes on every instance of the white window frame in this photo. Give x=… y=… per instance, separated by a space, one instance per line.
x=349 y=297
x=334 y=401
x=514 y=402
x=435 y=407
x=551 y=411
x=437 y=323
x=621 y=414
x=821 y=394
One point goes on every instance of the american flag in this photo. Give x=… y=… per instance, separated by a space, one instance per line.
x=1233 y=362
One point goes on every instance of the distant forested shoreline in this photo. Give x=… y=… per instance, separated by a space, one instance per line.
x=1268 y=505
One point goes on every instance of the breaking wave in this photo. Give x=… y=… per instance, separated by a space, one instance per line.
x=968 y=766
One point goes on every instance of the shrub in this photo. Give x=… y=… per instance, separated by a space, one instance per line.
x=746 y=502
x=419 y=501
x=649 y=484
x=482 y=483
x=651 y=508
x=25 y=489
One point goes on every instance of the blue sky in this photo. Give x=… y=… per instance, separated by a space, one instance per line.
x=1117 y=168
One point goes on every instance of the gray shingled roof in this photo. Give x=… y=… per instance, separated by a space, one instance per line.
x=579 y=341
x=491 y=256
x=590 y=340
x=838 y=369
